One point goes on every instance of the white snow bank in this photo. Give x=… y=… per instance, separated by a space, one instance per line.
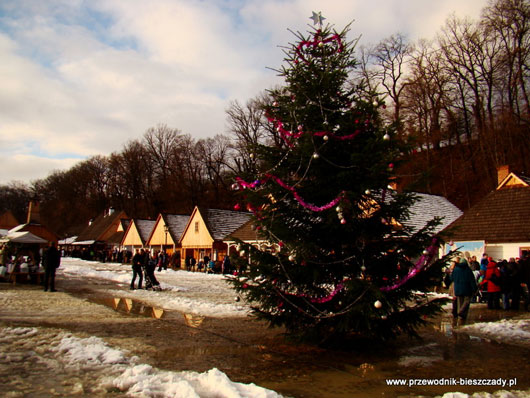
x=138 y=380
x=506 y=330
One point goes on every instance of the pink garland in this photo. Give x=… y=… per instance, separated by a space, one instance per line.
x=315 y=42
x=319 y=300
x=420 y=264
x=293 y=191
x=287 y=135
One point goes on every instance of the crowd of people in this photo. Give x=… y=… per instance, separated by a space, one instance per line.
x=501 y=284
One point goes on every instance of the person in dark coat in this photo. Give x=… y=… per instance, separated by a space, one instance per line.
x=137 y=263
x=465 y=286
x=51 y=260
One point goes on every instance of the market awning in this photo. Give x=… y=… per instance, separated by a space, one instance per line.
x=23 y=237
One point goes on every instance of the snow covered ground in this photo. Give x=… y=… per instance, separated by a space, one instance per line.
x=114 y=372
x=188 y=292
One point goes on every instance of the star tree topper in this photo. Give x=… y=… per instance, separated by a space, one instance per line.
x=317 y=18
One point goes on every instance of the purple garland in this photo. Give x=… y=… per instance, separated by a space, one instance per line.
x=293 y=191
x=287 y=135
x=420 y=264
x=316 y=42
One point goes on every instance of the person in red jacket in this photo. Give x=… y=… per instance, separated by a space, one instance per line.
x=492 y=279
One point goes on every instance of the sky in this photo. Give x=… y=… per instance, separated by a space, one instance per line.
x=82 y=78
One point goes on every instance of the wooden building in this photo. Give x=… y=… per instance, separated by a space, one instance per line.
x=8 y=220
x=499 y=224
x=33 y=224
x=167 y=232
x=206 y=231
x=105 y=232
x=137 y=234
x=246 y=233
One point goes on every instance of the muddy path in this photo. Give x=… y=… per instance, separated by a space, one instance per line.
x=249 y=352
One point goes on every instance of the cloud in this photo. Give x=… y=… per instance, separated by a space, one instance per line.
x=82 y=78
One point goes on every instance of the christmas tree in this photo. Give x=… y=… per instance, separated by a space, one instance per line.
x=339 y=261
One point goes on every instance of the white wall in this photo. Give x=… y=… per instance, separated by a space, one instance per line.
x=503 y=251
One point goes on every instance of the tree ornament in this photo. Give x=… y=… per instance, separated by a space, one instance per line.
x=242 y=253
x=275 y=104
x=367 y=192
x=251 y=156
x=291 y=258
x=378 y=304
x=375 y=103
x=300 y=128
x=325 y=138
x=386 y=137
x=316 y=155
x=363 y=268
x=343 y=221
x=338 y=209
x=237 y=206
x=237 y=299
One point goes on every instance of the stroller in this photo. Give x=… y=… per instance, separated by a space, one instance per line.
x=151 y=283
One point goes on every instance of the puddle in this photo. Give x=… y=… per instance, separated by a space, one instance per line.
x=130 y=306
x=442 y=353
x=135 y=307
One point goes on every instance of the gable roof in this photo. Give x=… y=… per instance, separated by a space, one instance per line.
x=246 y=232
x=427 y=207
x=221 y=223
x=501 y=216
x=100 y=227
x=8 y=220
x=514 y=180
x=176 y=224
x=144 y=227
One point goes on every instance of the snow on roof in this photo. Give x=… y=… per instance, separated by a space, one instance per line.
x=176 y=224
x=67 y=241
x=221 y=223
x=427 y=207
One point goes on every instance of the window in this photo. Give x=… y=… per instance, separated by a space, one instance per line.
x=196 y=227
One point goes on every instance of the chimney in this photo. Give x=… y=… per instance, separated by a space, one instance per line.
x=502 y=173
x=33 y=212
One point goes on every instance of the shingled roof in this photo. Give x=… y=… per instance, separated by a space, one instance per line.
x=246 y=232
x=501 y=216
x=427 y=207
x=100 y=228
x=176 y=224
x=221 y=223
x=144 y=227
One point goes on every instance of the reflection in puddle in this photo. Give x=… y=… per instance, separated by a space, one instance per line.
x=131 y=306
x=193 y=320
